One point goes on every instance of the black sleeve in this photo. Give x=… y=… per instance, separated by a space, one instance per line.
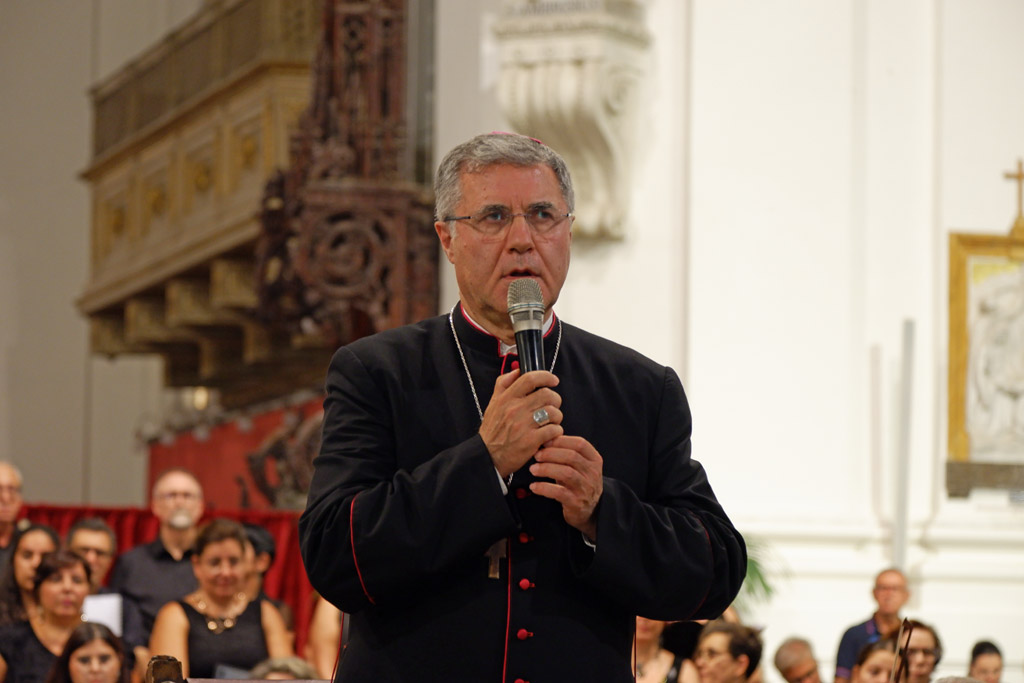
x=673 y=554
x=373 y=532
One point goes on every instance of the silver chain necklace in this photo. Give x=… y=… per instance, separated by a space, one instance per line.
x=465 y=365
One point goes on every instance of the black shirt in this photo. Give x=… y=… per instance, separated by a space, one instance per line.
x=149 y=577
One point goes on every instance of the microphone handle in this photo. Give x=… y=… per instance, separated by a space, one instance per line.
x=530 y=346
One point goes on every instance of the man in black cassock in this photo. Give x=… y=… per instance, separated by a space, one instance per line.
x=484 y=524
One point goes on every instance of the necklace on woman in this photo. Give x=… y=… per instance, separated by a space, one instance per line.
x=469 y=377
x=218 y=625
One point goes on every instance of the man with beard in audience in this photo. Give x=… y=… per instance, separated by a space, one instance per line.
x=150 y=575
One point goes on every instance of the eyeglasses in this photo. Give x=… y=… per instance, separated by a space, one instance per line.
x=706 y=654
x=169 y=495
x=10 y=490
x=494 y=220
x=85 y=550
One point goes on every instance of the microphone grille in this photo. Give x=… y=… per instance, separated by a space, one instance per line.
x=524 y=292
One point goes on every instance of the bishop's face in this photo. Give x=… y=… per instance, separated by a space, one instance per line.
x=486 y=264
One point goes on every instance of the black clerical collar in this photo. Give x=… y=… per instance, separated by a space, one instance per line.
x=474 y=336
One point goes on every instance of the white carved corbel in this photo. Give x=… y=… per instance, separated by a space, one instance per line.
x=571 y=72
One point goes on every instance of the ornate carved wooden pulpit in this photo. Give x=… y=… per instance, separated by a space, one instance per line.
x=241 y=276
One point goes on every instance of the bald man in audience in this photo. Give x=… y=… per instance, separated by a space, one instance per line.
x=795 y=661
x=10 y=508
x=150 y=575
x=891 y=594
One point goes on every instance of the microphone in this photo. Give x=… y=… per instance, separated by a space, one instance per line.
x=526 y=310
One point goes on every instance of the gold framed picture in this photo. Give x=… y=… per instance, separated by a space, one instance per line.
x=986 y=363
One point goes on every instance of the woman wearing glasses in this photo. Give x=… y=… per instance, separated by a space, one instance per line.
x=923 y=652
x=727 y=653
x=986 y=662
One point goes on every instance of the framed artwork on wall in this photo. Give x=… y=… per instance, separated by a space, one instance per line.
x=986 y=363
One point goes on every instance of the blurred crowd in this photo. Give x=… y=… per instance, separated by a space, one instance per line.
x=196 y=593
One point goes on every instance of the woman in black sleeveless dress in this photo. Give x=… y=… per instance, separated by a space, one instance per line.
x=217 y=625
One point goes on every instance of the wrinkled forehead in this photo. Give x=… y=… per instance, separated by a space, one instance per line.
x=476 y=177
x=9 y=476
x=177 y=481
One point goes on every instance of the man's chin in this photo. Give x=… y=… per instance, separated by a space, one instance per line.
x=180 y=521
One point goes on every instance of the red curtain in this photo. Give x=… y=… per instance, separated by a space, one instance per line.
x=286 y=580
x=219 y=459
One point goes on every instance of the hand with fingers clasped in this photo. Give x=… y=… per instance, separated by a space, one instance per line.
x=522 y=415
x=576 y=468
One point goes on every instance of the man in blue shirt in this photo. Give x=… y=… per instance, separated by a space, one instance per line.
x=890 y=594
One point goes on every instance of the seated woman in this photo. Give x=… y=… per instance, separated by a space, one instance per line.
x=16 y=586
x=874 y=662
x=93 y=654
x=28 y=649
x=986 y=662
x=653 y=662
x=727 y=653
x=923 y=652
x=218 y=624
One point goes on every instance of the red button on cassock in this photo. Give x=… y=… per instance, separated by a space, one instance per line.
x=525 y=584
x=524 y=537
x=523 y=634
x=520 y=680
x=522 y=493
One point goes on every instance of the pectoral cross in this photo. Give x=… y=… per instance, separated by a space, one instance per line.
x=494 y=555
x=1018 y=224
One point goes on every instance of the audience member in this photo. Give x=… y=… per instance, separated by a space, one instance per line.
x=653 y=662
x=324 y=640
x=986 y=662
x=727 y=652
x=874 y=662
x=217 y=624
x=28 y=649
x=10 y=507
x=93 y=654
x=283 y=669
x=260 y=551
x=17 y=599
x=924 y=651
x=890 y=593
x=796 y=662
x=151 y=575
x=95 y=541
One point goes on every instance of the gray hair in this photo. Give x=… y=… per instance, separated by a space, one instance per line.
x=491 y=149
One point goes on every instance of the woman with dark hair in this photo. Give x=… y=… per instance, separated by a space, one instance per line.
x=218 y=624
x=28 y=649
x=93 y=654
x=30 y=544
x=727 y=652
x=923 y=652
x=874 y=662
x=986 y=662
